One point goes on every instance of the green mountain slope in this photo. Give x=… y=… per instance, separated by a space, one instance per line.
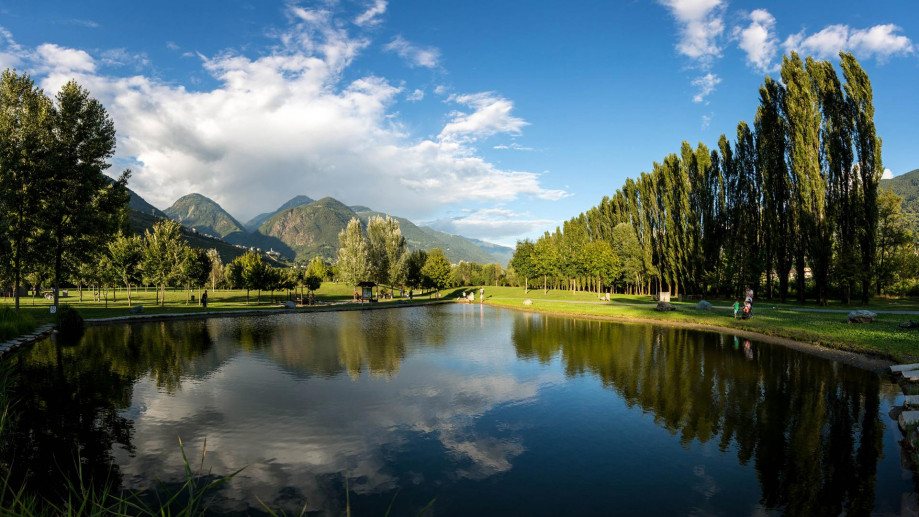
x=907 y=186
x=258 y=220
x=206 y=216
x=306 y=231
x=456 y=248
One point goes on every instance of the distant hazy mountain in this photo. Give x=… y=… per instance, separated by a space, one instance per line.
x=258 y=220
x=308 y=230
x=140 y=204
x=206 y=216
x=504 y=254
x=907 y=186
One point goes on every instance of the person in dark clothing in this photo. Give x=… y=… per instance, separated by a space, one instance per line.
x=204 y=299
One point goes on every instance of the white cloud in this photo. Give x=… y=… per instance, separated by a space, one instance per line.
x=706 y=85
x=513 y=146
x=11 y=54
x=707 y=120
x=701 y=24
x=758 y=40
x=171 y=45
x=880 y=42
x=122 y=57
x=441 y=89
x=287 y=122
x=887 y=175
x=492 y=115
x=83 y=23
x=415 y=56
x=491 y=223
x=56 y=59
x=372 y=15
x=415 y=96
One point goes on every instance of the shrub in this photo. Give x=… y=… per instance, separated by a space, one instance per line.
x=69 y=320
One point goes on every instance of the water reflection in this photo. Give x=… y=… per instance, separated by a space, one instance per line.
x=466 y=404
x=811 y=427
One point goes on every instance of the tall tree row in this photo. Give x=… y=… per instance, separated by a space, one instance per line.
x=796 y=191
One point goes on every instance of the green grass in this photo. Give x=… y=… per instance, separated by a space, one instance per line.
x=13 y=324
x=34 y=311
x=883 y=337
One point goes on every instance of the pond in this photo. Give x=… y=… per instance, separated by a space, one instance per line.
x=482 y=410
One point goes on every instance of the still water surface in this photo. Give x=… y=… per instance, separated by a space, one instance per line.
x=491 y=412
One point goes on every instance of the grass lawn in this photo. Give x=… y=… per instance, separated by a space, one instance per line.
x=218 y=300
x=883 y=337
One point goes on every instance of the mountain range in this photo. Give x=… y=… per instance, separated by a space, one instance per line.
x=906 y=185
x=300 y=229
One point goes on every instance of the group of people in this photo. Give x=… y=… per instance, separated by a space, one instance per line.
x=746 y=311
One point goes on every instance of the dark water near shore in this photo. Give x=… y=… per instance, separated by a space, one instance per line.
x=491 y=412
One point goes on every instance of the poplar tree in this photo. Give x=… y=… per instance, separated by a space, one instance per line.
x=802 y=112
x=353 y=254
x=860 y=103
x=771 y=150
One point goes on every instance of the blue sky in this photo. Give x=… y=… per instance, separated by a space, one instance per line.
x=495 y=120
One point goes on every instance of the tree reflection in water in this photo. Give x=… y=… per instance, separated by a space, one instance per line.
x=811 y=426
x=69 y=401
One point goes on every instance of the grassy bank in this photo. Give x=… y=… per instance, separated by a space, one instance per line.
x=884 y=337
x=35 y=311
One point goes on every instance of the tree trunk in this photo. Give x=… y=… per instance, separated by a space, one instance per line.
x=57 y=269
x=128 y=286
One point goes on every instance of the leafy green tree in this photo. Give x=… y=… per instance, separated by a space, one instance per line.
x=125 y=255
x=893 y=236
x=195 y=269
x=317 y=268
x=163 y=253
x=410 y=267
x=353 y=254
x=385 y=246
x=250 y=272
x=82 y=209
x=437 y=270
x=626 y=246
x=217 y=275
x=523 y=262
x=26 y=118
x=545 y=260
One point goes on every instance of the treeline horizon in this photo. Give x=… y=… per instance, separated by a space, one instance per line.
x=797 y=190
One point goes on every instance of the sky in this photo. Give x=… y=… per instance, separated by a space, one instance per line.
x=493 y=120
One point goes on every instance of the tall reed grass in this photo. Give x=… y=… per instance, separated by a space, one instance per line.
x=14 y=324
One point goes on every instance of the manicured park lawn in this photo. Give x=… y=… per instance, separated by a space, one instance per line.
x=883 y=337
x=218 y=300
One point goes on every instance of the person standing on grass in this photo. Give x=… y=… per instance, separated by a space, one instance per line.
x=736 y=308
x=482 y=294
x=204 y=299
